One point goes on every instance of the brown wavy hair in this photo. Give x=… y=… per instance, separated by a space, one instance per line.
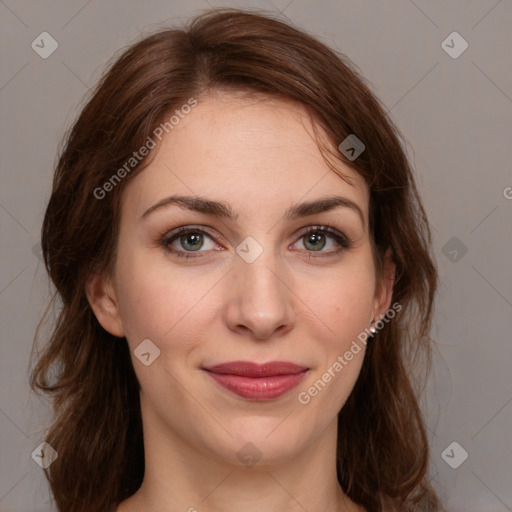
x=382 y=449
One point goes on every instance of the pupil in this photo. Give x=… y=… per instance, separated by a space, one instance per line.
x=314 y=239
x=196 y=241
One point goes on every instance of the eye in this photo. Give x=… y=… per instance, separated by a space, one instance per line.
x=316 y=239
x=186 y=240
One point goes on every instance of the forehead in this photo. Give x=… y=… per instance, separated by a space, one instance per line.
x=246 y=151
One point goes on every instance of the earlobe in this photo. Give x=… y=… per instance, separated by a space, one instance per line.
x=102 y=298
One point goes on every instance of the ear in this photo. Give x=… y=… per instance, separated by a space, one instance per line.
x=102 y=298
x=384 y=288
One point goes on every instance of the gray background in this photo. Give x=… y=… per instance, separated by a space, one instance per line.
x=456 y=116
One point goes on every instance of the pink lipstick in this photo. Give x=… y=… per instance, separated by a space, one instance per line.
x=257 y=381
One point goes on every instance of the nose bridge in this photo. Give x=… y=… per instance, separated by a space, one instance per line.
x=260 y=296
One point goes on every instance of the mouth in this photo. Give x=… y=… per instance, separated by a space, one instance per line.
x=257 y=381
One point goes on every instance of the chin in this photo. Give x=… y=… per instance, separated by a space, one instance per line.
x=254 y=443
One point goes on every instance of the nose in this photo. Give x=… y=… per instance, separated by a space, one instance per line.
x=259 y=298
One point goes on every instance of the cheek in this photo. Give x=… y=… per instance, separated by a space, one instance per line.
x=343 y=301
x=159 y=302
x=344 y=305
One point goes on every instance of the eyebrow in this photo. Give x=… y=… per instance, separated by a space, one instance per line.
x=224 y=210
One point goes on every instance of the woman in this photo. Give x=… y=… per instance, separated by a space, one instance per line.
x=244 y=267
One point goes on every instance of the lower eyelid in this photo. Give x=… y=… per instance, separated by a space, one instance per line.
x=167 y=241
x=341 y=240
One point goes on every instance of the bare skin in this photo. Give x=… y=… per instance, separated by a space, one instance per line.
x=302 y=300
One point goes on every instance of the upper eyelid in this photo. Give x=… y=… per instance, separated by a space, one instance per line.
x=217 y=238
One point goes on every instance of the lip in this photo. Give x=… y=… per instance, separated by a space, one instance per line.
x=257 y=381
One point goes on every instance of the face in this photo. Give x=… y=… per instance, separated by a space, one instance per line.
x=248 y=277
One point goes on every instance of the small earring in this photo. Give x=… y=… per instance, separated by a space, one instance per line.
x=372 y=329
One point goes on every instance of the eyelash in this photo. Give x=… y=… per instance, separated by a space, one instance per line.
x=342 y=240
